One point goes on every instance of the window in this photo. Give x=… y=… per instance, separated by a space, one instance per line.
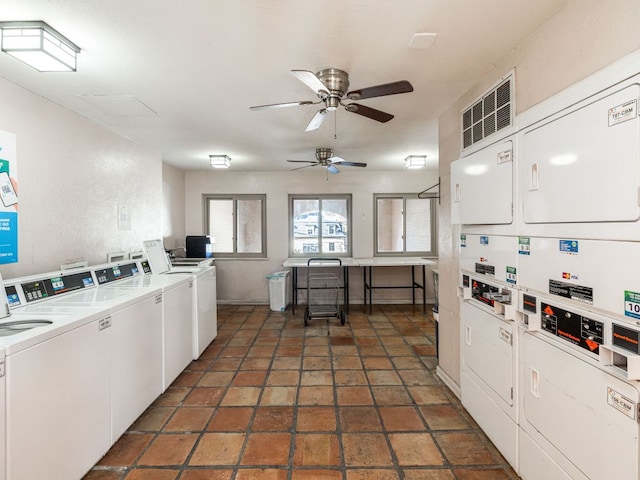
x=405 y=225
x=320 y=225
x=236 y=224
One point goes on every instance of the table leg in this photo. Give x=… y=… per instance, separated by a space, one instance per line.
x=294 y=289
x=424 y=290
x=413 y=285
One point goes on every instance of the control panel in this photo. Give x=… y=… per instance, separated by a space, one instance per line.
x=116 y=272
x=572 y=327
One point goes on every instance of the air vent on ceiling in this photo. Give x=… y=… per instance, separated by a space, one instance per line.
x=489 y=114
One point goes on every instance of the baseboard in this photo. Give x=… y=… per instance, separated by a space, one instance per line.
x=448 y=381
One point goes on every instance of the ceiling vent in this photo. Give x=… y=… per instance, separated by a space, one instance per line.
x=489 y=114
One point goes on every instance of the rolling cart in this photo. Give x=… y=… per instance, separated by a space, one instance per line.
x=322 y=291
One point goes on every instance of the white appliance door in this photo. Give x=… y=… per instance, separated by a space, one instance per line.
x=206 y=327
x=482 y=186
x=584 y=412
x=582 y=166
x=136 y=362
x=177 y=314
x=58 y=405
x=487 y=351
x=488 y=377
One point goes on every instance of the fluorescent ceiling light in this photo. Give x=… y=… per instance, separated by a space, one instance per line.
x=220 y=161
x=415 y=161
x=39 y=46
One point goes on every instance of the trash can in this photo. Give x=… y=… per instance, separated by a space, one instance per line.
x=278 y=291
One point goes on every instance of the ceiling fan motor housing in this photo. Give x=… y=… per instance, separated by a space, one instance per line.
x=337 y=82
x=323 y=154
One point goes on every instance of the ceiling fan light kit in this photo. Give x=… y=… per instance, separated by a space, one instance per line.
x=331 y=86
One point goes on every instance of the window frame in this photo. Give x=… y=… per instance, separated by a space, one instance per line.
x=433 y=224
x=234 y=198
x=320 y=197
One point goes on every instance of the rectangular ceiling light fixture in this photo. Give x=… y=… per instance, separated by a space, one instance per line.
x=39 y=46
x=220 y=161
x=415 y=161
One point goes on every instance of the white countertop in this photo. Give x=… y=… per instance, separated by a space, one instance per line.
x=363 y=262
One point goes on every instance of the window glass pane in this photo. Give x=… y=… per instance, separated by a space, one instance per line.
x=249 y=227
x=390 y=225
x=306 y=226
x=221 y=225
x=418 y=225
x=334 y=225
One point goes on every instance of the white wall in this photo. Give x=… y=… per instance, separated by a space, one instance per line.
x=73 y=176
x=583 y=37
x=243 y=281
x=172 y=206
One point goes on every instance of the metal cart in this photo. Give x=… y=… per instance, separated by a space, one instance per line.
x=322 y=290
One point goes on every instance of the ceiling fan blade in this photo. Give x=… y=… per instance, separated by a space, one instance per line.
x=304 y=166
x=281 y=105
x=393 y=88
x=311 y=81
x=317 y=120
x=369 y=112
x=302 y=161
x=332 y=169
x=350 y=164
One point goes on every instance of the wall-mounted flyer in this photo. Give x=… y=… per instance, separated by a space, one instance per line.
x=8 y=198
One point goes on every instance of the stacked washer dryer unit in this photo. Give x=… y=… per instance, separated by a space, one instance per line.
x=483 y=186
x=579 y=236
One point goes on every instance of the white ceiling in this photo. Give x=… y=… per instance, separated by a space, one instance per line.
x=180 y=77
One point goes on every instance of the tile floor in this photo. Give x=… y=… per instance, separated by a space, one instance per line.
x=273 y=400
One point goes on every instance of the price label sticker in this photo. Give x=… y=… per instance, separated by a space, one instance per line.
x=632 y=304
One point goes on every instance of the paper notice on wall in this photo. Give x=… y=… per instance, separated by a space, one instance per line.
x=9 y=198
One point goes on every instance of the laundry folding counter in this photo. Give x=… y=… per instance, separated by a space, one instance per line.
x=296 y=263
x=368 y=265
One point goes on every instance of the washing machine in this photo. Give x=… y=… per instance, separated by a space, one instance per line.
x=205 y=311
x=135 y=317
x=49 y=353
x=175 y=303
x=205 y=317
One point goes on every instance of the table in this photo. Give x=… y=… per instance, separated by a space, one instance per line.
x=369 y=263
x=295 y=263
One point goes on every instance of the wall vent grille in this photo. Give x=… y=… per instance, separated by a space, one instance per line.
x=489 y=114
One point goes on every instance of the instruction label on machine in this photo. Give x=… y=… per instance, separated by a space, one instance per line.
x=463 y=240
x=578 y=293
x=632 y=304
x=524 y=246
x=512 y=275
x=569 y=246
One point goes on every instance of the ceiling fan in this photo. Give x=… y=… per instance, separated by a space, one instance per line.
x=331 y=85
x=326 y=158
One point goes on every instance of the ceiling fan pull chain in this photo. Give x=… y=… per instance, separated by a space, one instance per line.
x=335 y=125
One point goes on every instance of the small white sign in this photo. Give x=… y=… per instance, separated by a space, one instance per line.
x=622 y=113
x=621 y=403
